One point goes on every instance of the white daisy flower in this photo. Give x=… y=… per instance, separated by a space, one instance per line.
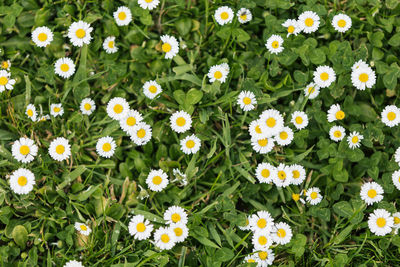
x=157 y=180
x=354 y=139
x=218 y=73
x=164 y=238
x=264 y=257
x=148 y=4
x=244 y=15
x=380 y=222
x=263 y=145
x=180 y=121
x=282 y=233
x=250 y=259
x=337 y=133
x=265 y=173
x=391 y=115
x=44 y=118
x=284 y=137
x=298 y=174
x=82 y=228
x=109 y=45
x=117 y=108
x=5 y=81
x=31 y=112
x=180 y=230
x=64 y=67
x=283 y=175
x=179 y=177
x=261 y=240
x=42 y=36
x=311 y=90
x=314 y=195
x=140 y=228
x=151 y=89
x=396 y=220
x=223 y=15
x=175 y=214
x=341 y=22
x=274 y=44
x=309 y=21
x=24 y=150
x=128 y=123
x=324 y=76
x=60 y=149
x=292 y=26
x=335 y=113
x=6 y=64
x=271 y=122
x=105 y=147
x=122 y=16
x=87 y=106
x=299 y=120
x=247 y=226
x=79 y=33
x=359 y=64
x=190 y=144
x=56 y=110
x=262 y=221
x=247 y=100
x=73 y=263
x=397 y=155
x=363 y=78
x=371 y=193
x=170 y=46
x=22 y=181
x=255 y=130
x=396 y=179
x=141 y=133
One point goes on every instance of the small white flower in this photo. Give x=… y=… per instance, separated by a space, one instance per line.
x=255 y=130
x=262 y=221
x=247 y=100
x=341 y=22
x=73 y=263
x=274 y=44
x=151 y=89
x=311 y=90
x=140 y=228
x=164 y=238
x=284 y=137
x=247 y=226
x=190 y=144
x=179 y=177
x=283 y=176
x=175 y=214
x=262 y=240
x=263 y=145
x=354 y=139
x=337 y=133
x=391 y=115
x=371 y=193
x=24 y=150
x=42 y=36
x=396 y=179
x=56 y=110
x=44 y=118
x=122 y=16
x=31 y=112
x=83 y=228
x=87 y=106
x=141 y=133
x=132 y=118
x=397 y=155
x=60 y=149
x=298 y=174
x=64 y=67
x=5 y=81
x=335 y=113
x=363 y=78
x=264 y=257
x=244 y=15
x=6 y=64
x=271 y=122
x=359 y=64
x=292 y=26
x=180 y=121
x=396 y=220
x=299 y=119
x=79 y=33
x=180 y=230
x=109 y=45
x=266 y=173
x=250 y=259
x=148 y=4
x=223 y=15
x=282 y=233
x=117 y=108
x=105 y=147
x=170 y=46
x=380 y=222
x=324 y=76
x=157 y=180
x=218 y=73
x=309 y=21
x=22 y=181
x=314 y=195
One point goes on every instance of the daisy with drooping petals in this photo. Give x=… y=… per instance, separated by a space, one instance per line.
x=261 y=240
x=335 y=113
x=311 y=90
x=247 y=226
x=262 y=221
x=308 y=21
x=5 y=81
x=148 y=4
x=164 y=238
x=397 y=155
x=31 y=112
x=44 y=118
x=79 y=33
x=244 y=15
x=42 y=36
x=263 y=145
x=271 y=122
x=122 y=16
x=282 y=233
x=180 y=230
x=218 y=73
x=190 y=144
x=274 y=44
x=24 y=150
x=22 y=181
x=105 y=147
x=324 y=76
x=255 y=130
x=284 y=137
x=341 y=22
x=180 y=121
x=73 y=263
x=363 y=78
x=283 y=175
x=141 y=133
x=354 y=139
x=299 y=120
x=247 y=100
x=87 y=106
x=380 y=222
x=56 y=110
x=170 y=46
x=64 y=67
x=175 y=214
x=60 y=149
x=151 y=89
x=337 y=133
x=371 y=193
x=265 y=173
x=117 y=108
x=298 y=174
x=82 y=228
x=292 y=26
x=223 y=15
x=359 y=64
x=157 y=180
x=264 y=257
x=314 y=195
x=391 y=115
x=130 y=120
x=396 y=179
x=109 y=45
x=140 y=228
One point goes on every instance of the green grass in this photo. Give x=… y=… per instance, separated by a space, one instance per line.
x=222 y=189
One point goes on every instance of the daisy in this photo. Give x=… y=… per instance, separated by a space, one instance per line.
x=190 y=144
x=64 y=67
x=44 y=118
x=141 y=133
x=262 y=221
x=244 y=15
x=247 y=226
x=83 y=228
x=79 y=33
x=5 y=81
x=140 y=228
x=337 y=133
x=324 y=76
x=250 y=259
x=309 y=21
x=73 y=263
x=223 y=15
x=282 y=233
x=132 y=118
x=371 y=193
x=6 y=64
x=292 y=26
x=299 y=119
x=261 y=240
x=264 y=257
x=298 y=174
x=87 y=106
x=390 y=115
x=271 y=122
x=24 y=150
x=164 y=238
x=359 y=64
x=148 y=4
x=42 y=36
x=265 y=173
x=31 y=112
x=396 y=220
x=396 y=179
x=274 y=44
x=247 y=100
x=179 y=177
x=283 y=175
x=56 y=110
x=151 y=89
x=157 y=180
x=117 y=108
x=60 y=149
x=175 y=214
x=263 y=145
x=22 y=181
x=218 y=73
x=314 y=195
x=354 y=139
x=255 y=130
x=341 y=22
x=180 y=121
x=180 y=230
x=380 y=222
x=284 y=137
x=170 y=46
x=363 y=78
x=335 y=113
x=122 y=16
x=311 y=90
x=397 y=155
x=109 y=45
x=105 y=147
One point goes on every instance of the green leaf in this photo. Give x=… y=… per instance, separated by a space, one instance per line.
x=20 y=235
x=395 y=40
x=343 y=209
x=194 y=96
x=224 y=254
x=343 y=234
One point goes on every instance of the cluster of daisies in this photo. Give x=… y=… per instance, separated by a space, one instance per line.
x=5 y=76
x=224 y=15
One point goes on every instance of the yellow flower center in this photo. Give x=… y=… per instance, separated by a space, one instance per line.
x=22 y=181
x=166 y=47
x=311 y=90
x=299 y=120
x=250 y=260
x=309 y=22
x=190 y=144
x=263 y=142
x=131 y=121
x=271 y=122
x=64 y=67
x=83 y=227
x=42 y=37
x=258 y=129
x=341 y=23
x=337 y=133
x=265 y=173
x=56 y=109
x=381 y=222
x=262 y=240
x=363 y=77
x=354 y=140
x=372 y=193
x=263 y=255
x=295 y=197
x=87 y=106
x=80 y=33
x=180 y=121
x=140 y=227
x=178 y=231
x=106 y=147
x=283 y=135
x=118 y=108
x=3 y=80
x=175 y=217
x=261 y=223
x=324 y=76
x=247 y=100
x=391 y=115
x=164 y=238
x=30 y=112
x=282 y=175
x=111 y=44
x=122 y=15
x=296 y=174
x=396 y=220
x=340 y=115
x=314 y=195
x=243 y=16
x=157 y=180
x=275 y=44
x=153 y=89
x=290 y=29
x=148 y=1
x=60 y=149
x=141 y=133
x=4 y=65
x=24 y=150
x=224 y=15
x=281 y=233
x=217 y=75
